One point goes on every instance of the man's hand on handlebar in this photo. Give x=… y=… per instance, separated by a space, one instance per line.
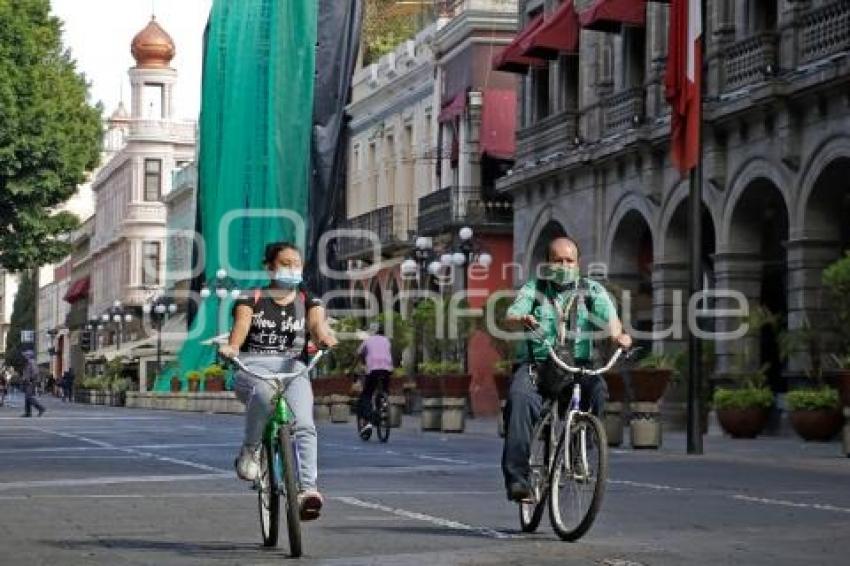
x=624 y=341
x=528 y=321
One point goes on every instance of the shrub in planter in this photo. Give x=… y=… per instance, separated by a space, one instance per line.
x=743 y=412
x=193 y=379
x=653 y=374
x=815 y=413
x=214 y=378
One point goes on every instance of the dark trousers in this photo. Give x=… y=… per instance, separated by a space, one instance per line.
x=522 y=412
x=30 y=401
x=370 y=382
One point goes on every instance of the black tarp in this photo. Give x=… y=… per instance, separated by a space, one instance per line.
x=336 y=55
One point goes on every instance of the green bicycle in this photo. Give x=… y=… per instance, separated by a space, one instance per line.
x=279 y=462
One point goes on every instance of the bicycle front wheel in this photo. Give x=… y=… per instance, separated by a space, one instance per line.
x=382 y=406
x=268 y=494
x=291 y=490
x=577 y=483
x=531 y=512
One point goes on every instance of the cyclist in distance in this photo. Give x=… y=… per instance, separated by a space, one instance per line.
x=567 y=309
x=376 y=352
x=271 y=329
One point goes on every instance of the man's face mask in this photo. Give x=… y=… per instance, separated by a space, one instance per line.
x=288 y=278
x=562 y=275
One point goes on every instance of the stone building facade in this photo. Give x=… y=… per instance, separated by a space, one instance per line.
x=593 y=161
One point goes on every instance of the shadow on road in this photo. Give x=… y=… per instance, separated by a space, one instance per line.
x=217 y=550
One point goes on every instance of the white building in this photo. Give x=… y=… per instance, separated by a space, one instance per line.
x=8 y=291
x=128 y=244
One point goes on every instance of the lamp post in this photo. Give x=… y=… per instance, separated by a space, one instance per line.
x=160 y=309
x=119 y=316
x=221 y=287
x=94 y=326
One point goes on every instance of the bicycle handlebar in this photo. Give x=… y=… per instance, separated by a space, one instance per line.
x=571 y=369
x=281 y=376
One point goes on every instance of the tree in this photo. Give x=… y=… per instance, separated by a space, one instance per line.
x=23 y=318
x=387 y=23
x=49 y=135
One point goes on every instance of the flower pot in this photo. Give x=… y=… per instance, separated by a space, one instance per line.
x=648 y=385
x=616 y=387
x=455 y=386
x=614 y=423
x=428 y=386
x=395 y=386
x=455 y=389
x=194 y=385
x=430 y=391
x=176 y=385
x=214 y=383
x=743 y=423
x=819 y=425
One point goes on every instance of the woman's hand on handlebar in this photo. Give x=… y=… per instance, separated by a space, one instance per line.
x=228 y=351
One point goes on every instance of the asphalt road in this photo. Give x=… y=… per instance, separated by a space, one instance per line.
x=96 y=485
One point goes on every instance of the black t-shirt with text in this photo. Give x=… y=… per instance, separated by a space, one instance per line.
x=276 y=329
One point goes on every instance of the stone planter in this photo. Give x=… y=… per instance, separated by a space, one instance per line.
x=743 y=423
x=396 y=410
x=214 y=384
x=176 y=385
x=820 y=425
x=649 y=385
x=338 y=397
x=431 y=394
x=645 y=425
x=455 y=389
x=614 y=424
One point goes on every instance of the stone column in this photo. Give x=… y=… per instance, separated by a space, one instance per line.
x=670 y=301
x=739 y=271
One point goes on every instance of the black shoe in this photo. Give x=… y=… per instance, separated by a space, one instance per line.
x=518 y=492
x=41 y=412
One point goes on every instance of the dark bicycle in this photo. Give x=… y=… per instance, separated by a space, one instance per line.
x=379 y=416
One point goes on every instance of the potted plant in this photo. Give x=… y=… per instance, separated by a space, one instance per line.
x=653 y=374
x=743 y=411
x=214 y=378
x=444 y=388
x=193 y=379
x=815 y=413
x=118 y=388
x=336 y=367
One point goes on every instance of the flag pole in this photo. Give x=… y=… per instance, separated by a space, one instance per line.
x=696 y=270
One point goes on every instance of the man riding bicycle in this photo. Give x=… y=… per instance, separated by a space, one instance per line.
x=271 y=329
x=562 y=305
x=376 y=352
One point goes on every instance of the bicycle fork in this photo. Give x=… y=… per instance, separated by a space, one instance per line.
x=574 y=408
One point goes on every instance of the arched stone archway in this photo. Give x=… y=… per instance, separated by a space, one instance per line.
x=822 y=236
x=551 y=230
x=754 y=261
x=630 y=269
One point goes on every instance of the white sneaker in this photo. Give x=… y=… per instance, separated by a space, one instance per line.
x=248 y=462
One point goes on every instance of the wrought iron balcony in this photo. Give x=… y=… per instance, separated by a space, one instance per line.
x=443 y=210
x=551 y=135
x=824 y=31
x=624 y=110
x=750 y=61
x=393 y=226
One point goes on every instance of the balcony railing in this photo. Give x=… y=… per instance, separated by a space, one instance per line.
x=824 y=31
x=391 y=226
x=137 y=212
x=442 y=210
x=162 y=129
x=624 y=110
x=548 y=136
x=750 y=61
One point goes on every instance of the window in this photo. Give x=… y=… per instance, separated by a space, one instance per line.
x=150 y=263
x=540 y=87
x=153 y=179
x=152 y=101
x=634 y=57
x=569 y=68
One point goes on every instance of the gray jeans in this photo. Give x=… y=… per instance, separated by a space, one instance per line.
x=258 y=396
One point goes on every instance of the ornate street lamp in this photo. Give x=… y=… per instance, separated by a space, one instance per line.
x=159 y=309
x=222 y=287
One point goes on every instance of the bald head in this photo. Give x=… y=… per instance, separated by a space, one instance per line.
x=563 y=251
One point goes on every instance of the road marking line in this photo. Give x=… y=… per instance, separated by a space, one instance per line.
x=439 y=521
x=97 y=448
x=442 y=459
x=784 y=503
x=180 y=495
x=107 y=480
x=157 y=457
x=655 y=486
x=103 y=418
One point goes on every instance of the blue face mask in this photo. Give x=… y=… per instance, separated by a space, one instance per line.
x=286 y=278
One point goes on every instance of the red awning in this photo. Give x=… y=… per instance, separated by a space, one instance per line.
x=453 y=109
x=558 y=34
x=498 y=124
x=611 y=15
x=511 y=59
x=78 y=290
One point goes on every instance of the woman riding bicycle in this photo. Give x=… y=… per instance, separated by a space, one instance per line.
x=271 y=329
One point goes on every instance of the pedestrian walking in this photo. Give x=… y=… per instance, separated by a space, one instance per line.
x=68 y=385
x=30 y=379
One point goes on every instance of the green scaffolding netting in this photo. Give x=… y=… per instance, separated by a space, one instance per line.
x=256 y=110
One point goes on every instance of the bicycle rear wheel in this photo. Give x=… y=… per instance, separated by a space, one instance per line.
x=577 y=486
x=291 y=490
x=268 y=494
x=531 y=513
x=382 y=408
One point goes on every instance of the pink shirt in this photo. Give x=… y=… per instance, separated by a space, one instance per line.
x=378 y=353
